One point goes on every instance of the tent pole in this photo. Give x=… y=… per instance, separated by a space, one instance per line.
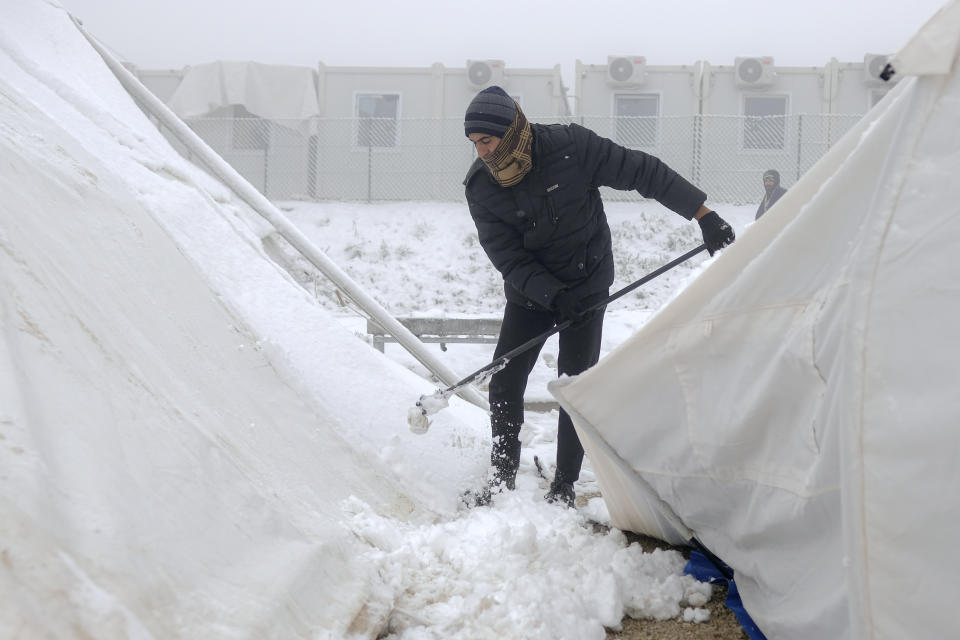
x=284 y=227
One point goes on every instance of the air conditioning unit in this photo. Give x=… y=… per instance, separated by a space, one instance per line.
x=483 y=73
x=873 y=66
x=625 y=70
x=754 y=72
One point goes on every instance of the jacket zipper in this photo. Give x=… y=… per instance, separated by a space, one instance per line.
x=551 y=211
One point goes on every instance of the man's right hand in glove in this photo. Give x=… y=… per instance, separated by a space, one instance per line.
x=569 y=307
x=717 y=233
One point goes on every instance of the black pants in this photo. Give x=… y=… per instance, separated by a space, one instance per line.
x=579 y=350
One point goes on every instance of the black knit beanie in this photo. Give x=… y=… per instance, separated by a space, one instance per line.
x=772 y=173
x=492 y=111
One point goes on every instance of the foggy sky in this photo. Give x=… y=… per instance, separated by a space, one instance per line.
x=525 y=33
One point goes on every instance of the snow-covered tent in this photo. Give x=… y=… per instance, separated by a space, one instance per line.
x=283 y=93
x=796 y=406
x=179 y=444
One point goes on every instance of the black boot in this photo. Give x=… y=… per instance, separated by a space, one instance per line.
x=505 y=462
x=505 y=452
x=506 y=418
x=561 y=492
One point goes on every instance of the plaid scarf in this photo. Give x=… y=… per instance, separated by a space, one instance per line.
x=511 y=160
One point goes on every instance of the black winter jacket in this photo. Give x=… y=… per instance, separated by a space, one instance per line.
x=549 y=232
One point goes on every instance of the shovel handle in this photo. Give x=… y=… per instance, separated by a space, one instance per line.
x=502 y=360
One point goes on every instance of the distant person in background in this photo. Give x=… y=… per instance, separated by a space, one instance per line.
x=533 y=193
x=772 y=191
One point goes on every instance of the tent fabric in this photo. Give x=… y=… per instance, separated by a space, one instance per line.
x=173 y=462
x=934 y=48
x=795 y=406
x=285 y=94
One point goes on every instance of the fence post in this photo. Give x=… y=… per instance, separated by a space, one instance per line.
x=369 y=173
x=697 y=124
x=266 y=154
x=799 y=143
x=312 y=167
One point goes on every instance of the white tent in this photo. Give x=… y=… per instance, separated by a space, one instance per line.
x=182 y=435
x=284 y=93
x=796 y=407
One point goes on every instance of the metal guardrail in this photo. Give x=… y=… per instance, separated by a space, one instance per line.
x=440 y=330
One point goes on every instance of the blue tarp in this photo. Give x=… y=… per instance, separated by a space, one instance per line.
x=706 y=571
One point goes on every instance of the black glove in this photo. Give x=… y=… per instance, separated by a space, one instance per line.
x=717 y=234
x=569 y=307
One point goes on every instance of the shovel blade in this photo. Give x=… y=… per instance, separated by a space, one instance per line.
x=417 y=416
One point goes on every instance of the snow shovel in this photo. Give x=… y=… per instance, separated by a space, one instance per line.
x=429 y=405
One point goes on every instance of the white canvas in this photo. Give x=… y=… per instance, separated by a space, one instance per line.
x=171 y=463
x=796 y=406
x=282 y=93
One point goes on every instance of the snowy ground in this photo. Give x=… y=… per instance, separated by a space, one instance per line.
x=491 y=572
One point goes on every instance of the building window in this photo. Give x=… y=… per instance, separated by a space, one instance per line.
x=764 y=122
x=637 y=119
x=377 y=119
x=250 y=131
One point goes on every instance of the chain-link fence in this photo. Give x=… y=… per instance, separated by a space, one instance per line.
x=369 y=159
